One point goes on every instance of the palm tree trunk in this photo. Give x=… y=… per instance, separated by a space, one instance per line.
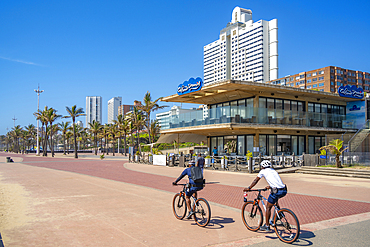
x=64 y=144
x=45 y=151
x=114 y=143
x=51 y=140
x=75 y=139
x=96 y=144
x=148 y=126
x=125 y=145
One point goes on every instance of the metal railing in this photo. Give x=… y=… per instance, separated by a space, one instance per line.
x=258 y=115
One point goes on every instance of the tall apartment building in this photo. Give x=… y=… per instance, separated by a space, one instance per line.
x=327 y=79
x=113 y=105
x=93 y=109
x=123 y=109
x=245 y=50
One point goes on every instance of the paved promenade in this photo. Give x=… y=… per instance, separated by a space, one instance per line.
x=62 y=201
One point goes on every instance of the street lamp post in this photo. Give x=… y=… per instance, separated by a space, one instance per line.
x=38 y=91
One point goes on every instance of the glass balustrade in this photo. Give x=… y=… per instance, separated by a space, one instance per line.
x=257 y=115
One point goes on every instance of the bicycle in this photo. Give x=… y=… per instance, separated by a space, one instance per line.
x=200 y=206
x=284 y=221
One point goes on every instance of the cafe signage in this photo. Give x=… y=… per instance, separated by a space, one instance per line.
x=351 y=92
x=190 y=86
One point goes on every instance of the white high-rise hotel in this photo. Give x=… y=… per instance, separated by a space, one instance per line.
x=93 y=109
x=113 y=105
x=246 y=50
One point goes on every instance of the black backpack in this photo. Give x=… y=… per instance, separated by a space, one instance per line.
x=196 y=174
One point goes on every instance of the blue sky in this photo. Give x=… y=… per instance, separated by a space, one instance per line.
x=75 y=49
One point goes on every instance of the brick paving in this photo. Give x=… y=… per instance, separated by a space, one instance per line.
x=309 y=209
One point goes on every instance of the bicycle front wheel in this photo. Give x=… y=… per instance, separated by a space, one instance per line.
x=202 y=212
x=287 y=226
x=252 y=216
x=179 y=206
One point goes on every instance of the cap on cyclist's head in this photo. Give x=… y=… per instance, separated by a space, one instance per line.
x=266 y=164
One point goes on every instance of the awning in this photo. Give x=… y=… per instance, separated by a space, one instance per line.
x=169 y=138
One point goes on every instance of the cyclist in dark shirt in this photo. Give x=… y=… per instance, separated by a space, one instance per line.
x=192 y=189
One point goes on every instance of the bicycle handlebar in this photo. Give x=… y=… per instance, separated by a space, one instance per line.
x=259 y=190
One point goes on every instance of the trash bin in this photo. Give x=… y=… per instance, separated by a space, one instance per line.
x=182 y=161
x=172 y=161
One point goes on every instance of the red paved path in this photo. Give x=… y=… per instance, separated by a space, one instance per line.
x=309 y=209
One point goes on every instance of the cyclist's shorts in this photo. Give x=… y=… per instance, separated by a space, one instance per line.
x=273 y=198
x=192 y=190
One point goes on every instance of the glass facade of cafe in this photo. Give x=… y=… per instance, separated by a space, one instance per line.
x=268 y=144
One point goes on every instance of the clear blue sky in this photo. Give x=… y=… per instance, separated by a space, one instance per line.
x=75 y=49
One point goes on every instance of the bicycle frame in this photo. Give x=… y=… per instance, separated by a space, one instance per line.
x=261 y=198
x=182 y=193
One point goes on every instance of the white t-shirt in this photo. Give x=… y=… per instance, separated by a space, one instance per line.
x=272 y=178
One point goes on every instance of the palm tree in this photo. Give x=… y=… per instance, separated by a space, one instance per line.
x=137 y=120
x=155 y=129
x=105 y=132
x=65 y=127
x=335 y=147
x=113 y=131
x=69 y=134
x=148 y=107
x=79 y=133
x=42 y=116
x=16 y=133
x=119 y=122
x=74 y=112
x=54 y=128
x=31 y=132
x=124 y=128
x=51 y=117
x=95 y=129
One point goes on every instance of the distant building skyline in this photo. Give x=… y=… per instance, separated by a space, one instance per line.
x=113 y=106
x=123 y=109
x=327 y=79
x=93 y=109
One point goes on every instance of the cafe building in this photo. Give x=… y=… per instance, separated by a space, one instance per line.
x=263 y=118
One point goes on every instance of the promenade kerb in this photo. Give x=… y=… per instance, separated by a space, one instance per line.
x=309 y=209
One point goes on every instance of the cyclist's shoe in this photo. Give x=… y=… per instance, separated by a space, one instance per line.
x=265 y=228
x=190 y=214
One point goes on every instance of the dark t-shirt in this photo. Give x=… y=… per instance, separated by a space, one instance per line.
x=186 y=172
x=200 y=162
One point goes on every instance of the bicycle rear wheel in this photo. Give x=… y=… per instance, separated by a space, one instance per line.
x=287 y=226
x=252 y=216
x=202 y=212
x=179 y=206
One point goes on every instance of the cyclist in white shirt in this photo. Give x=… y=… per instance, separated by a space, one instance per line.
x=278 y=189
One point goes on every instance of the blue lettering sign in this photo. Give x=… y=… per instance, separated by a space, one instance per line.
x=189 y=86
x=351 y=92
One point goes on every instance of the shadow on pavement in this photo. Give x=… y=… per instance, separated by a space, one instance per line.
x=212 y=182
x=302 y=240
x=218 y=222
